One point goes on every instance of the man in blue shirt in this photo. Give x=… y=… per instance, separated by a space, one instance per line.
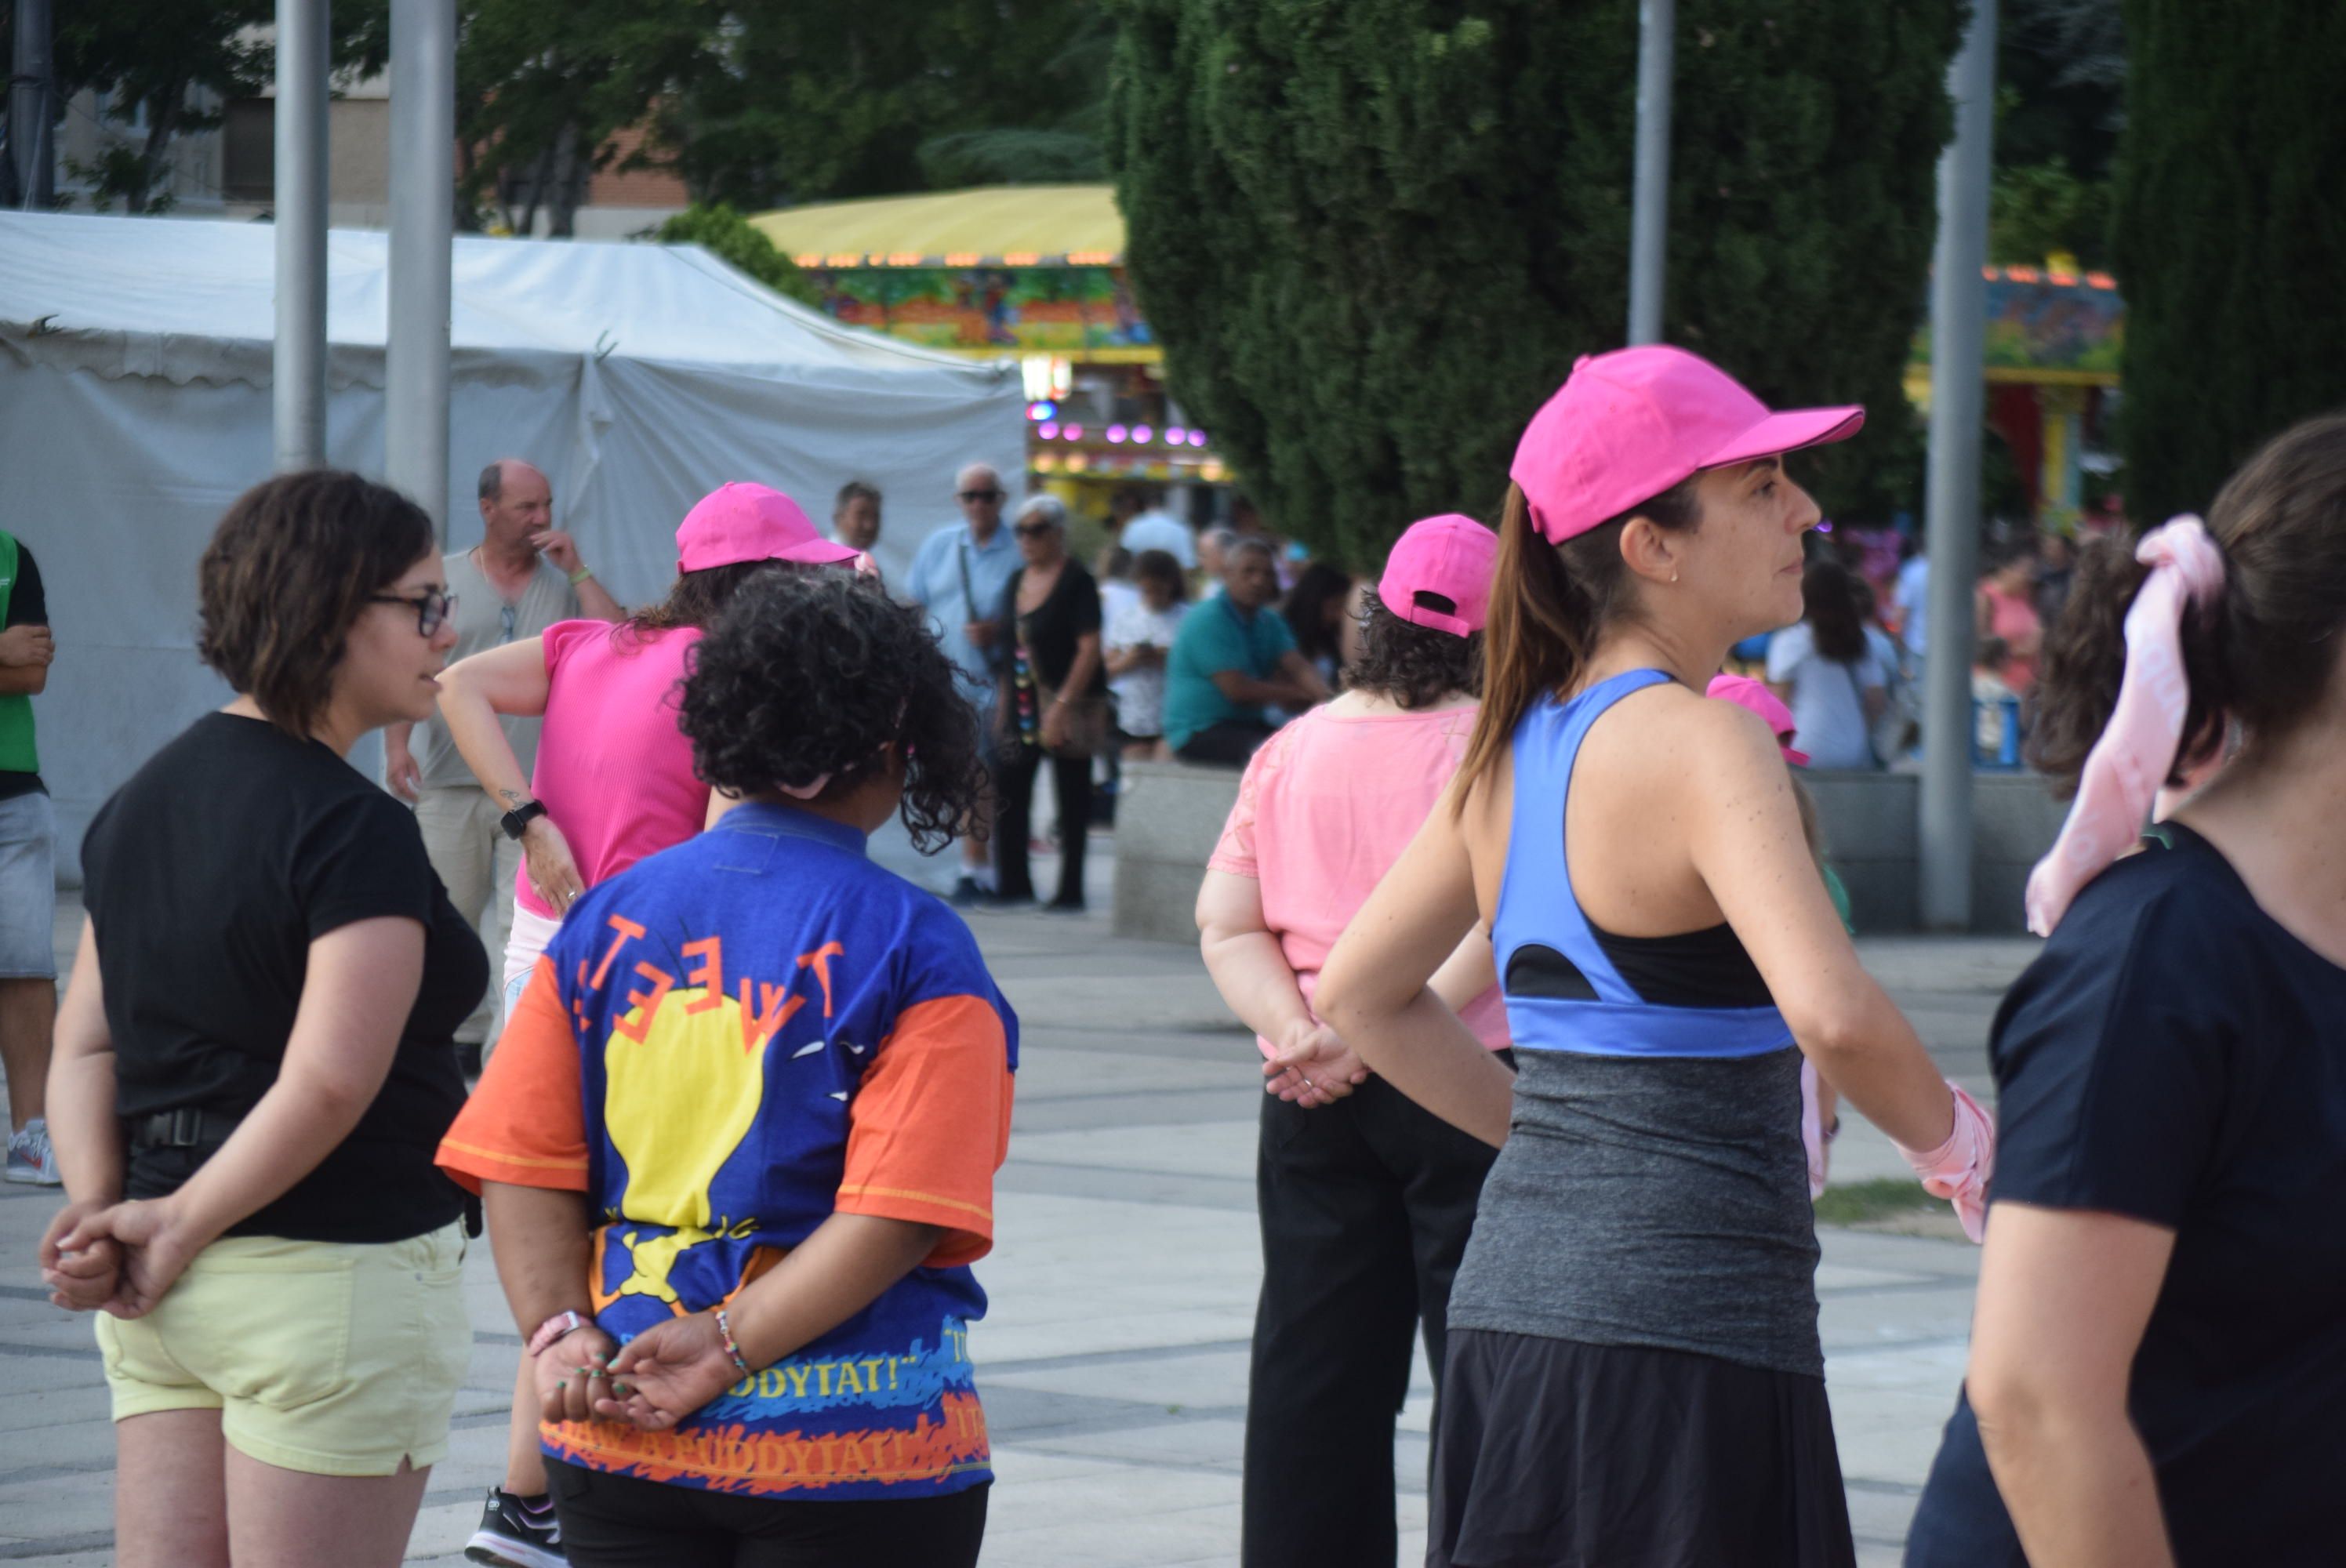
x=961 y=577
x=1233 y=656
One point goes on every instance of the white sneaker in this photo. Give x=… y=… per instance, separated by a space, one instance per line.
x=30 y=1157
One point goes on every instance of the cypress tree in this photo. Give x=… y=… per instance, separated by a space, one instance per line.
x=1374 y=236
x=2229 y=241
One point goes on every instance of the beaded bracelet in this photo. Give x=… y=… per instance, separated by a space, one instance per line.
x=725 y=1332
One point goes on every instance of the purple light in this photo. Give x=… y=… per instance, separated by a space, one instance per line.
x=1197 y=438
x=1141 y=433
x=1175 y=435
x=1115 y=435
x=1072 y=431
x=1047 y=431
x=1824 y=527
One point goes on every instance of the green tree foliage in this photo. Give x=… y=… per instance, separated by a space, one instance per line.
x=149 y=56
x=792 y=102
x=2060 y=105
x=542 y=89
x=1374 y=237
x=2230 y=240
x=735 y=241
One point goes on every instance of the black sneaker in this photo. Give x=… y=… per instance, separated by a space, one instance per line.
x=518 y=1532
x=969 y=894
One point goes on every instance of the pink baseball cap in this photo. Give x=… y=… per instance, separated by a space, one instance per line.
x=740 y=522
x=1743 y=691
x=1450 y=555
x=1627 y=425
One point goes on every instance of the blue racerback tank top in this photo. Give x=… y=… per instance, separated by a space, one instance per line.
x=1653 y=1190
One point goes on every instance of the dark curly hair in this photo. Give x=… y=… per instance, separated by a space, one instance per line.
x=1414 y=665
x=2263 y=654
x=287 y=573
x=808 y=673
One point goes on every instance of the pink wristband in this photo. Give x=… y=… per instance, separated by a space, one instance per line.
x=554 y=1329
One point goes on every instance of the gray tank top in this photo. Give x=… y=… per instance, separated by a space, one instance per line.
x=1653 y=1191
x=1654 y=1202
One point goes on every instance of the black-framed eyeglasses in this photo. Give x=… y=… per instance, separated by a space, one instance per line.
x=1032 y=530
x=432 y=607
x=980 y=495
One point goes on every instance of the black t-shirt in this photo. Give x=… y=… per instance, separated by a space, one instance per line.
x=207 y=876
x=2175 y=1055
x=29 y=605
x=1052 y=628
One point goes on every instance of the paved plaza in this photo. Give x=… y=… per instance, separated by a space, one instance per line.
x=1113 y=1363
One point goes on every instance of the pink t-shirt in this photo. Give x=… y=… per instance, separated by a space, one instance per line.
x=613 y=768
x=1325 y=808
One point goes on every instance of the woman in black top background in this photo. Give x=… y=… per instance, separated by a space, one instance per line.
x=1316 y=609
x=2158 y=1353
x=1053 y=703
x=267 y=985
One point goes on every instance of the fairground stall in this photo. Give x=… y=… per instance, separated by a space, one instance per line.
x=1034 y=271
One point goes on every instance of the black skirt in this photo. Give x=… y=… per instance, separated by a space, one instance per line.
x=1552 y=1453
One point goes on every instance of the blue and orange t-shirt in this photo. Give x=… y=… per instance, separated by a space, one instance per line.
x=723 y=1046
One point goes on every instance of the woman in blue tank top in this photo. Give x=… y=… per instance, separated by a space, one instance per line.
x=1634 y=1373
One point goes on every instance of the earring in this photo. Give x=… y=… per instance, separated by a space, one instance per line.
x=1674 y=576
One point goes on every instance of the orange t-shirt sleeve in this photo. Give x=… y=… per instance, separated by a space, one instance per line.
x=929 y=1124
x=525 y=1125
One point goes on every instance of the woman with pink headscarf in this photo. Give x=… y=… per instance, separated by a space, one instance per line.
x=2158 y=1355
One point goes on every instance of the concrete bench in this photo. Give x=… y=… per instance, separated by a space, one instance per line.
x=1171 y=813
x=1169 y=816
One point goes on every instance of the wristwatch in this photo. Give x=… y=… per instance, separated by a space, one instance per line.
x=518 y=819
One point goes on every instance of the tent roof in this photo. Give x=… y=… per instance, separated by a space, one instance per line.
x=999 y=225
x=155 y=292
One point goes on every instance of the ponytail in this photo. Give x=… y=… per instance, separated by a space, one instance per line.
x=2085 y=661
x=1549 y=605
x=2263 y=654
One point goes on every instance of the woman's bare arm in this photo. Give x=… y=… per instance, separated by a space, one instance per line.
x=510 y=681
x=1374 y=991
x=1747 y=846
x=2063 y=1299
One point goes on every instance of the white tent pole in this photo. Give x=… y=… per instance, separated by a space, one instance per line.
x=299 y=361
x=422 y=181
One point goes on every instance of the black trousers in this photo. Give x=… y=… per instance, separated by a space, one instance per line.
x=625 y=1521
x=1014 y=818
x=1366 y=1205
x=1232 y=743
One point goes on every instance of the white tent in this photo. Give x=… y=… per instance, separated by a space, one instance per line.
x=135 y=405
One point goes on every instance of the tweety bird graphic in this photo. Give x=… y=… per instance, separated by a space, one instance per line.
x=678 y=1105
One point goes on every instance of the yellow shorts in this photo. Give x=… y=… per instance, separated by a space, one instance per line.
x=324 y=1357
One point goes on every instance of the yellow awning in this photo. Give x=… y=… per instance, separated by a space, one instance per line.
x=993 y=225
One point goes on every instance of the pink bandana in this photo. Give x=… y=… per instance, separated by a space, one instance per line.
x=2136 y=750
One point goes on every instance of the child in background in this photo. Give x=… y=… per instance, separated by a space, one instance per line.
x=1990 y=692
x=1139 y=633
x=1820 y=1106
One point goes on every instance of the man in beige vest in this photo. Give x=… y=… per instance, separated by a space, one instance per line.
x=523 y=577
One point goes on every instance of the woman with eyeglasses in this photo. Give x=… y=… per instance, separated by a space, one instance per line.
x=254 y=1065
x=1053 y=702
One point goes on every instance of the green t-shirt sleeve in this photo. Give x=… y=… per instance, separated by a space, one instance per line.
x=1274 y=637
x=1212 y=641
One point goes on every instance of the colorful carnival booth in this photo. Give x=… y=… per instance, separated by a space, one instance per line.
x=1034 y=271
x=2054 y=341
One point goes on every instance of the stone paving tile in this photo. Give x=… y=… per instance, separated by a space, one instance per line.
x=1114 y=1359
